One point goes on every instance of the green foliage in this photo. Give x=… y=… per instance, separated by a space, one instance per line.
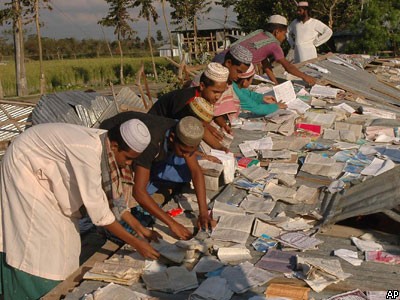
x=168 y=76
x=118 y=17
x=254 y=14
x=377 y=27
x=185 y=11
x=75 y=73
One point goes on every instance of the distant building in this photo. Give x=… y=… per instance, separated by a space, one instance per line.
x=212 y=37
x=165 y=50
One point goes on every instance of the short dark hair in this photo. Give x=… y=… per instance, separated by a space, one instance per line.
x=114 y=135
x=234 y=61
x=271 y=27
x=207 y=81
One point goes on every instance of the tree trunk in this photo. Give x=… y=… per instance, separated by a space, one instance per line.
x=121 y=61
x=171 y=42
x=105 y=40
x=151 y=49
x=331 y=8
x=225 y=20
x=196 y=48
x=42 y=78
x=20 y=72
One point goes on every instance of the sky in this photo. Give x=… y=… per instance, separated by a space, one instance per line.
x=78 y=19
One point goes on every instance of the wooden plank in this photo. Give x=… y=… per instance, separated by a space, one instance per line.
x=75 y=278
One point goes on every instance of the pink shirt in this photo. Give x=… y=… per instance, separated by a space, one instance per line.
x=272 y=49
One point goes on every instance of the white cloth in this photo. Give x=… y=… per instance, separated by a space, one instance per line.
x=305 y=37
x=47 y=174
x=135 y=134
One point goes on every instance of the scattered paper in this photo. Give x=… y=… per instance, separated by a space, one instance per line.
x=233 y=229
x=378 y=166
x=213 y=288
x=349 y=256
x=245 y=276
x=173 y=280
x=323 y=91
x=277 y=260
x=299 y=240
x=233 y=254
x=366 y=245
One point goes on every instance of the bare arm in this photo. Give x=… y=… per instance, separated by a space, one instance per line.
x=139 y=228
x=142 y=176
x=200 y=190
x=292 y=69
x=142 y=247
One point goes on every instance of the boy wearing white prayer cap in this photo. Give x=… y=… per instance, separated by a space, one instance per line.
x=47 y=174
x=169 y=160
x=180 y=103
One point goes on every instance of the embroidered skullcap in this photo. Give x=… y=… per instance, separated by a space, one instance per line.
x=242 y=54
x=250 y=72
x=190 y=131
x=135 y=134
x=217 y=72
x=277 y=19
x=302 y=3
x=202 y=109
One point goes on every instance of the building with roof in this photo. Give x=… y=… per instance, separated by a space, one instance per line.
x=165 y=50
x=212 y=37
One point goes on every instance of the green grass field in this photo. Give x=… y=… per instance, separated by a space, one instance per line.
x=75 y=73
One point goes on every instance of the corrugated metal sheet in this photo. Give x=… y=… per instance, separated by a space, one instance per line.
x=360 y=82
x=125 y=98
x=18 y=112
x=374 y=195
x=74 y=107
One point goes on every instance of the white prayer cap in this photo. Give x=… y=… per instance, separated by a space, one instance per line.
x=135 y=134
x=242 y=54
x=302 y=4
x=250 y=72
x=217 y=72
x=277 y=19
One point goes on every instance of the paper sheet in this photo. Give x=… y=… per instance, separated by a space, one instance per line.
x=233 y=229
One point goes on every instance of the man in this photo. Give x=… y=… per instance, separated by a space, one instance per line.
x=306 y=33
x=169 y=159
x=266 y=44
x=47 y=174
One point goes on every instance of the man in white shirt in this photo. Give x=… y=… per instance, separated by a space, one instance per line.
x=46 y=175
x=306 y=33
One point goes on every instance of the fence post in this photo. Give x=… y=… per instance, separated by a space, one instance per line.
x=1 y=91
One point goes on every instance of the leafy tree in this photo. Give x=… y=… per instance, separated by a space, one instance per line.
x=377 y=25
x=159 y=36
x=254 y=14
x=118 y=17
x=149 y=13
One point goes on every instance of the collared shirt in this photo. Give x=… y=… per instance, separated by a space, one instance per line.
x=304 y=37
x=47 y=174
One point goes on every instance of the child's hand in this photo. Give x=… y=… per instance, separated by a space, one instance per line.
x=282 y=105
x=269 y=99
